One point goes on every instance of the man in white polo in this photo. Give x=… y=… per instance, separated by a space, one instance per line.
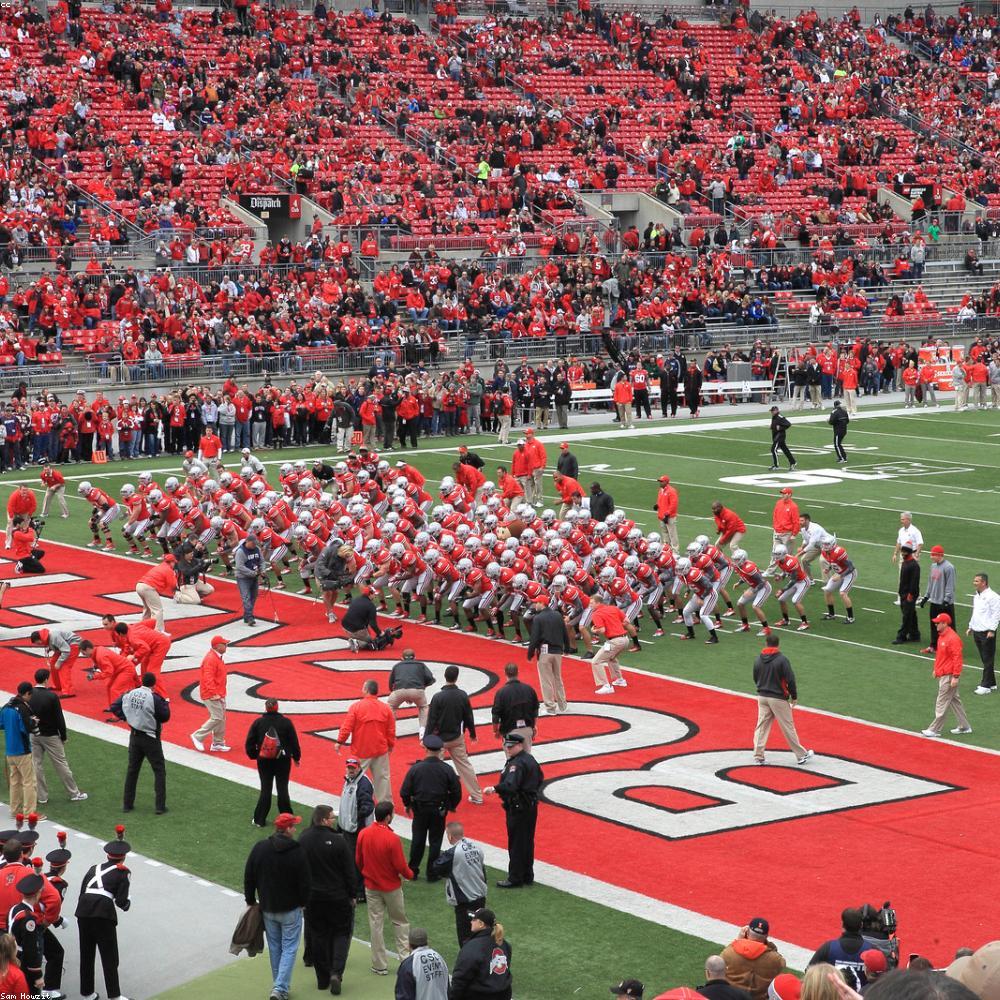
x=908 y=534
x=812 y=534
x=983 y=628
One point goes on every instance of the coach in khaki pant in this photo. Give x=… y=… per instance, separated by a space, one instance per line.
x=19 y=726
x=408 y=681
x=371 y=728
x=549 y=640
x=450 y=717
x=947 y=670
x=609 y=623
x=776 y=696
x=47 y=709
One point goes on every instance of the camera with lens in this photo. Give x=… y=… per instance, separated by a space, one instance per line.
x=878 y=928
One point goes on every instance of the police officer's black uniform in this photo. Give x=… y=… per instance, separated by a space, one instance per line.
x=430 y=790
x=105 y=887
x=518 y=788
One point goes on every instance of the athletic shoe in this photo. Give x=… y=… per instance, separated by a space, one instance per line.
x=220 y=748
x=804 y=627
x=421 y=619
x=53 y=995
x=961 y=730
x=475 y=802
x=469 y=628
x=279 y=585
x=352 y=645
x=744 y=628
x=620 y=683
x=335 y=985
x=400 y=613
x=658 y=633
x=729 y=613
x=380 y=972
x=605 y=689
x=759 y=760
x=198 y=745
x=684 y=638
x=774 y=468
x=848 y=621
x=792 y=467
x=711 y=640
x=589 y=655
x=679 y=620
x=781 y=623
x=806 y=757
x=110 y=546
x=930 y=734
x=79 y=797
x=896 y=602
x=763 y=635
x=542 y=710
x=331 y=618
x=983 y=690
x=93 y=545
x=829 y=616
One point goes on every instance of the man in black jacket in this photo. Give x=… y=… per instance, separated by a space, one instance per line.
x=515 y=708
x=332 y=895
x=273 y=742
x=717 y=987
x=360 y=621
x=779 y=426
x=47 y=709
x=277 y=875
x=549 y=639
x=909 y=591
x=567 y=465
x=450 y=717
x=839 y=420
x=776 y=697
x=601 y=503
x=430 y=791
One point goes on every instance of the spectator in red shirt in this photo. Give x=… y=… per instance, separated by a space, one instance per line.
x=379 y=857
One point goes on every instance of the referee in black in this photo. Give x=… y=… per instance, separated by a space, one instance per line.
x=839 y=420
x=430 y=791
x=779 y=426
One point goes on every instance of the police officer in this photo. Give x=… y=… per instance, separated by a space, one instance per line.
x=515 y=709
x=464 y=866
x=430 y=791
x=24 y=924
x=357 y=807
x=105 y=888
x=520 y=780
x=51 y=946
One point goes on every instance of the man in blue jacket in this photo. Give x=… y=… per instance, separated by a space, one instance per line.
x=19 y=725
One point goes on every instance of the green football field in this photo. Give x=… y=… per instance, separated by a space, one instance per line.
x=940 y=465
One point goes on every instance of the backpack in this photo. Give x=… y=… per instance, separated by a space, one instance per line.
x=270 y=746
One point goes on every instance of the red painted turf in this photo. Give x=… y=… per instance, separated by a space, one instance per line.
x=933 y=855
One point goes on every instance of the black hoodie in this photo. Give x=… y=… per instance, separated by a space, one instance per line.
x=277 y=875
x=772 y=673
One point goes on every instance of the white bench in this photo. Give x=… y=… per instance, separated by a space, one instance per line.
x=741 y=389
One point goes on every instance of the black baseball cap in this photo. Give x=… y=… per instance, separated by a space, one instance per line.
x=628 y=988
x=759 y=926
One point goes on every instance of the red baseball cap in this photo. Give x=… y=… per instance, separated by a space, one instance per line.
x=942 y=619
x=285 y=821
x=529 y=431
x=875 y=961
x=565 y=446
x=937 y=550
x=664 y=480
x=218 y=640
x=786 y=491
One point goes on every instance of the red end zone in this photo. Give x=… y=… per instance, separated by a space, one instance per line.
x=651 y=790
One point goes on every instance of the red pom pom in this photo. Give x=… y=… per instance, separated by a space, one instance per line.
x=19 y=820
x=120 y=831
x=61 y=837
x=32 y=820
x=37 y=862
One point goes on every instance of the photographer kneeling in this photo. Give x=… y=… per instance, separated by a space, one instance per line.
x=192 y=563
x=360 y=621
x=24 y=540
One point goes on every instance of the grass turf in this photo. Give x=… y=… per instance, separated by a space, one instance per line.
x=949 y=484
x=207 y=832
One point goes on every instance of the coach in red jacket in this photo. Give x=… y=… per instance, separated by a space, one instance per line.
x=948 y=670
x=212 y=689
x=371 y=728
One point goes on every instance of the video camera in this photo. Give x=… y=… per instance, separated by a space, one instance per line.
x=878 y=928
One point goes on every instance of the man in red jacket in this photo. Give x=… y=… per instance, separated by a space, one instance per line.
x=539 y=459
x=948 y=670
x=114 y=667
x=786 y=517
x=730 y=525
x=371 y=728
x=667 y=503
x=22 y=501
x=160 y=581
x=212 y=689
x=55 y=487
x=379 y=857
